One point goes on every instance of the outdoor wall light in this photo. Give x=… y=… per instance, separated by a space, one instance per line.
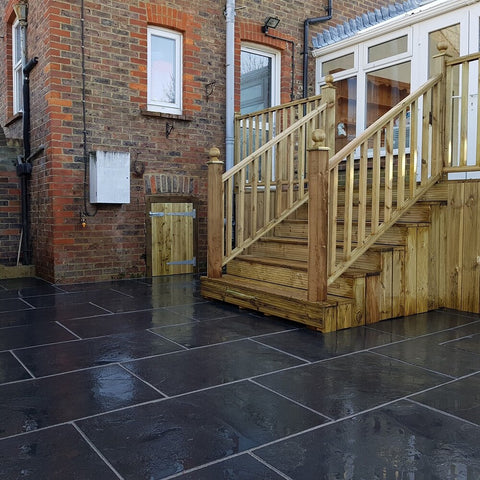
x=21 y=9
x=270 y=22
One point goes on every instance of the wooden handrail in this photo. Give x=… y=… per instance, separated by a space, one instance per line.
x=277 y=108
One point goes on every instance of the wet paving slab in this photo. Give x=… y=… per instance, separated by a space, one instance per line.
x=124 y=322
x=198 y=334
x=425 y=323
x=206 y=310
x=34 y=404
x=168 y=437
x=314 y=346
x=81 y=354
x=460 y=398
x=54 y=453
x=11 y=369
x=438 y=351
x=50 y=314
x=398 y=441
x=243 y=467
x=197 y=369
x=96 y=383
x=347 y=385
x=13 y=305
x=29 y=335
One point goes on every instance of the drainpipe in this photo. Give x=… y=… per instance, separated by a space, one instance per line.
x=24 y=166
x=230 y=84
x=306 y=25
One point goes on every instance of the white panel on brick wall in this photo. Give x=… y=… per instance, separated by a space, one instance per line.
x=109 y=177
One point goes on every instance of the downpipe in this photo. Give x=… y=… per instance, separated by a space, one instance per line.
x=24 y=165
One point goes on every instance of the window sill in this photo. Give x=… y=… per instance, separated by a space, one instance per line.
x=149 y=113
x=13 y=119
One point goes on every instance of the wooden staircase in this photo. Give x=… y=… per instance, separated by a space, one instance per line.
x=339 y=239
x=271 y=276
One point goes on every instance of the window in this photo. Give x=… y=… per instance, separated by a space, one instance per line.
x=17 y=68
x=370 y=78
x=164 y=71
x=259 y=80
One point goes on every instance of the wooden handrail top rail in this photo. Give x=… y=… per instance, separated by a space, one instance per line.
x=247 y=160
x=467 y=58
x=283 y=106
x=378 y=124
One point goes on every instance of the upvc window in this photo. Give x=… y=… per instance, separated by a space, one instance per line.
x=17 y=68
x=164 y=71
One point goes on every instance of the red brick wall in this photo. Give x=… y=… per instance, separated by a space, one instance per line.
x=113 y=243
x=10 y=221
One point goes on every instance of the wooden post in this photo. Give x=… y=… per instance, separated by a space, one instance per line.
x=318 y=157
x=215 y=215
x=329 y=97
x=439 y=66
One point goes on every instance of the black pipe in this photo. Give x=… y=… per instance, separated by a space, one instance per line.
x=306 y=25
x=24 y=167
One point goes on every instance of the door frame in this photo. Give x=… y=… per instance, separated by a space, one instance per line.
x=148 y=225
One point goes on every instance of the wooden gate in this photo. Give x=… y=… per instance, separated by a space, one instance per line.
x=172 y=238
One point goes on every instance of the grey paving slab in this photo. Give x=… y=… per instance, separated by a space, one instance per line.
x=243 y=467
x=11 y=369
x=460 y=398
x=399 y=441
x=64 y=357
x=51 y=454
x=164 y=438
x=39 y=403
x=124 y=322
x=199 y=368
x=347 y=385
x=424 y=323
x=197 y=334
x=57 y=313
x=28 y=335
x=314 y=346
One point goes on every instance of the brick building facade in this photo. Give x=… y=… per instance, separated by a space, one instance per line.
x=89 y=92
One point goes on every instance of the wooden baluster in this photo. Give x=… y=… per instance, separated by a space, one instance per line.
x=318 y=157
x=215 y=215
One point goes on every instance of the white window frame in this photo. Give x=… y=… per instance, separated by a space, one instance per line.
x=275 y=56
x=153 y=105
x=17 y=70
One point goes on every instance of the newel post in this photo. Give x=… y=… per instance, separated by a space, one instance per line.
x=318 y=157
x=215 y=215
x=440 y=66
x=329 y=98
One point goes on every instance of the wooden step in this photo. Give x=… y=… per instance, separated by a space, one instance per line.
x=297 y=249
x=420 y=212
x=353 y=284
x=396 y=235
x=282 y=301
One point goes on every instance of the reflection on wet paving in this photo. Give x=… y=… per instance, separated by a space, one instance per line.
x=144 y=379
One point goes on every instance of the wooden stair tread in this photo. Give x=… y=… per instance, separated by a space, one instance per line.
x=274 y=289
x=381 y=247
x=302 y=265
x=401 y=223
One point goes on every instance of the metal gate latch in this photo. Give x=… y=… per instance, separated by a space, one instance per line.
x=192 y=214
